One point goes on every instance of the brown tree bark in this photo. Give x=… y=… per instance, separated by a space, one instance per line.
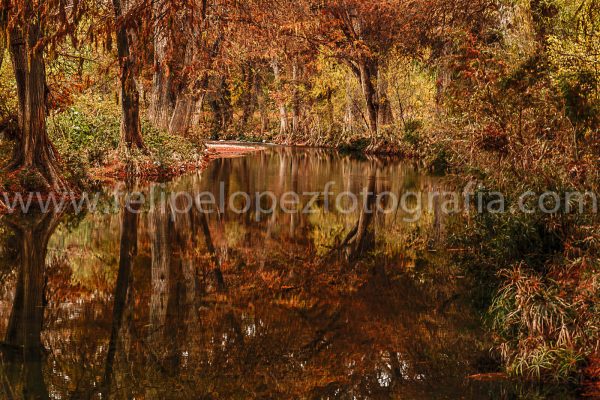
x=18 y=53
x=33 y=150
x=295 y=99
x=222 y=109
x=174 y=100
x=131 y=129
x=367 y=70
x=181 y=120
x=542 y=13
x=262 y=102
x=283 y=118
x=349 y=114
x=163 y=93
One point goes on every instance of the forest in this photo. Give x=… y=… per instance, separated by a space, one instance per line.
x=380 y=96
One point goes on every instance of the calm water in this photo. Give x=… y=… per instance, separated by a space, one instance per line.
x=165 y=305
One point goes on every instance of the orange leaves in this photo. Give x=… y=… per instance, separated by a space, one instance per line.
x=493 y=138
x=59 y=98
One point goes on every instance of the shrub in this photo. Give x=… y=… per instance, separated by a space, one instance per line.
x=355 y=145
x=91 y=134
x=168 y=150
x=544 y=330
x=437 y=158
x=412 y=128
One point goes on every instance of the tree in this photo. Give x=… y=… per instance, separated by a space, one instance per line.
x=188 y=37
x=29 y=36
x=131 y=129
x=361 y=35
x=170 y=43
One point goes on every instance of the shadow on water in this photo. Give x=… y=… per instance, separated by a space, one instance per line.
x=166 y=304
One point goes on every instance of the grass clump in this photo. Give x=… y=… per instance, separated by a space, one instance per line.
x=546 y=329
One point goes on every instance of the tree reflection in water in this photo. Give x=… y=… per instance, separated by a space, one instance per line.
x=22 y=349
x=165 y=305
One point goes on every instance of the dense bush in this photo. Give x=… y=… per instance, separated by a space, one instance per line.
x=86 y=136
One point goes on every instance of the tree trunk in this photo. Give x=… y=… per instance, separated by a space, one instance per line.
x=199 y=105
x=18 y=53
x=366 y=71
x=34 y=151
x=542 y=13
x=384 y=111
x=262 y=102
x=131 y=129
x=173 y=103
x=295 y=99
x=181 y=120
x=222 y=109
x=349 y=114
x=163 y=96
x=283 y=119
x=2 y=47
x=249 y=94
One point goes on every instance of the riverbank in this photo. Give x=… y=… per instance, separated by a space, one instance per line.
x=144 y=168
x=86 y=164
x=147 y=169
x=231 y=149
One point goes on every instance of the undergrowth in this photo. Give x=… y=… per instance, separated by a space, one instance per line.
x=86 y=136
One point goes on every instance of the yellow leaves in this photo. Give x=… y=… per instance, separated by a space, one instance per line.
x=575 y=45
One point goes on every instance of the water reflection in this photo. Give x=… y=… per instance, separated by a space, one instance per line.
x=165 y=305
x=128 y=251
x=22 y=347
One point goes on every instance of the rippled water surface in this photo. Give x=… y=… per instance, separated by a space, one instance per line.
x=191 y=305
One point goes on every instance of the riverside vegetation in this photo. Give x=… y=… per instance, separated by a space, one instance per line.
x=502 y=94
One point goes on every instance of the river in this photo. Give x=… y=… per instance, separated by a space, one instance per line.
x=164 y=301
